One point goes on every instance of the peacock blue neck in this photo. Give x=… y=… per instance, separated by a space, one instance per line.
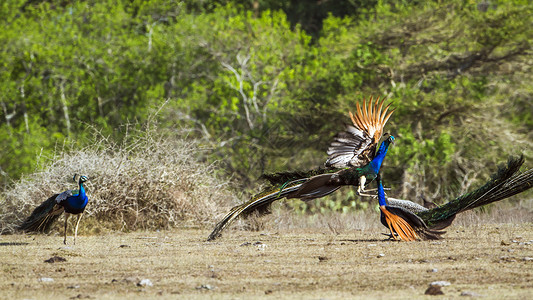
x=381 y=194
x=82 y=190
x=77 y=203
x=375 y=164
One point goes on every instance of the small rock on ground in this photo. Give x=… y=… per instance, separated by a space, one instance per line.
x=440 y=283
x=470 y=294
x=145 y=282
x=205 y=287
x=434 y=290
x=54 y=259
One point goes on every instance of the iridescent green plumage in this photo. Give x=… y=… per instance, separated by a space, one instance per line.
x=500 y=186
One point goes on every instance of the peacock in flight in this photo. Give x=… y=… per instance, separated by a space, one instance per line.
x=70 y=202
x=353 y=160
x=410 y=221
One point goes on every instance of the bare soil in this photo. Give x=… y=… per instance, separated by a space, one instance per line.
x=494 y=261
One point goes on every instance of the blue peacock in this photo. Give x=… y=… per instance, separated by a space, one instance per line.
x=353 y=160
x=410 y=221
x=71 y=202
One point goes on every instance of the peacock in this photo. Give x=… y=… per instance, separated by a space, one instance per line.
x=354 y=147
x=352 y=160
x=70 y=202
x=410 y=221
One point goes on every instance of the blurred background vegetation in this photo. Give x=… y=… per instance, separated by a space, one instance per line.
x=263 y=86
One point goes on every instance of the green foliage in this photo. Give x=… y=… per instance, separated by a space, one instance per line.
x=64 y=67
x=22 y=147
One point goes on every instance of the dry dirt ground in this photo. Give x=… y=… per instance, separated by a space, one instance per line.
x=492 y=262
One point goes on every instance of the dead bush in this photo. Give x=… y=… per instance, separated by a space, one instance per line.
x=149 y=181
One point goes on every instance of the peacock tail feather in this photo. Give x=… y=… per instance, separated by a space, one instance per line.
x=259 y=202
x=42 y=217
x=503 y=184
x=279 y=178
x=304 y=188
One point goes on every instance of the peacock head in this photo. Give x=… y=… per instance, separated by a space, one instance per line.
x=387 y=137
x=81 y=179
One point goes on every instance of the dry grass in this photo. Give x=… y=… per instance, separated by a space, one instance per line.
x=148 y=182
x=295 y=263
x=282 y=218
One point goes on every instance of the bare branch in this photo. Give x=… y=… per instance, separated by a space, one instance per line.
x=241 y=91
x=8 y=116
x=64 y=104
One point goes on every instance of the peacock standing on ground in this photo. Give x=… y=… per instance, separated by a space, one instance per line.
x=70 y=202
x=410 y=221
x=353 y=160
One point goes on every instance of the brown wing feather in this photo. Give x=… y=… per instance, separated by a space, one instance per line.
x=356 y=146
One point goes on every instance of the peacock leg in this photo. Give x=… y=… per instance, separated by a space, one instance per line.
x=392 y=233
x=66 y=219
x=368 y=195
x=375 y=189
x=371 y=190
x=361 y=187
x=76 y=230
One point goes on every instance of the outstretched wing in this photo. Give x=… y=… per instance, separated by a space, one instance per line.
x=356 y=145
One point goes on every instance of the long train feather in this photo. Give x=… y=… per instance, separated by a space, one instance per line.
x=41 y=219
x=258 y=202
x=505 y=183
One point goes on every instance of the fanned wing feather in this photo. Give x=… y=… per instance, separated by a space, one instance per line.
x=356 y=145
x=349 y=148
